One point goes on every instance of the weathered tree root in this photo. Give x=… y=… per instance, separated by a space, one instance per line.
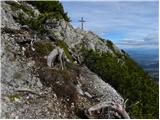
x=57 y=52
x=101 y=107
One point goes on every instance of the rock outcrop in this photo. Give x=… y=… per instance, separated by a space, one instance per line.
x=62 y=30
x=23 y=62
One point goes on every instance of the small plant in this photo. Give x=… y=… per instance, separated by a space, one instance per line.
x=54 y=7
x=13 y=97
x=43 y=48
x=49 y=10
x=110 y=44
x=63 y=45
x=36 y=23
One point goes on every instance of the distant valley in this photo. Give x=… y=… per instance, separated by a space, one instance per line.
x=147 y=59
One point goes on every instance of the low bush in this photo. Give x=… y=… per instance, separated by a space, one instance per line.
x=129 y=79
x=43 y=48
x=54 y=7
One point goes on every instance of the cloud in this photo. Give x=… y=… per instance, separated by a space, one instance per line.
x=152 y=37
x=135 y=21
x=149 y=41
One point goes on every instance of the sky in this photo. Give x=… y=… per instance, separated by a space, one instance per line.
x=127 y=24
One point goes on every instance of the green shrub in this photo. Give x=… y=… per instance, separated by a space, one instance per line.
x=54 y=7
x=110 y=44
x=43 y=48
x=48 y=9
x=36 y=23
x=129 y=80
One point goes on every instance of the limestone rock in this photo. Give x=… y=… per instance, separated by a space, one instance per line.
x=96 y=86
x=7 y=17
x=62 y=30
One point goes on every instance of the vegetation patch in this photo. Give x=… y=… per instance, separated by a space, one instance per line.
x=129 y=80
x=53 y=7
x=48 y=9
x=36 y=23
x=110 y=45
x=63 y=82
x=13 y=97
x=63 y=45
x=43 y=48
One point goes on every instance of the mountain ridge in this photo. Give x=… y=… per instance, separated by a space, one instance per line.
x=47 y=54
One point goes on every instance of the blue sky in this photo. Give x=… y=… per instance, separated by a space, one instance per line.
x=127 y=24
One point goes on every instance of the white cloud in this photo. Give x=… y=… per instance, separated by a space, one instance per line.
x=137 y=21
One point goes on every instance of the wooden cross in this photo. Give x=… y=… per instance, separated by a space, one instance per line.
x=82 y=21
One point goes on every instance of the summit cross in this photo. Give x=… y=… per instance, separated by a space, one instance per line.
x=82 y=21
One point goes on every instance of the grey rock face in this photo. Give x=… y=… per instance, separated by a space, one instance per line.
x=62 y=30
x=16 y=74
x=96 y=86
x=7 y=18
x=117 y=49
